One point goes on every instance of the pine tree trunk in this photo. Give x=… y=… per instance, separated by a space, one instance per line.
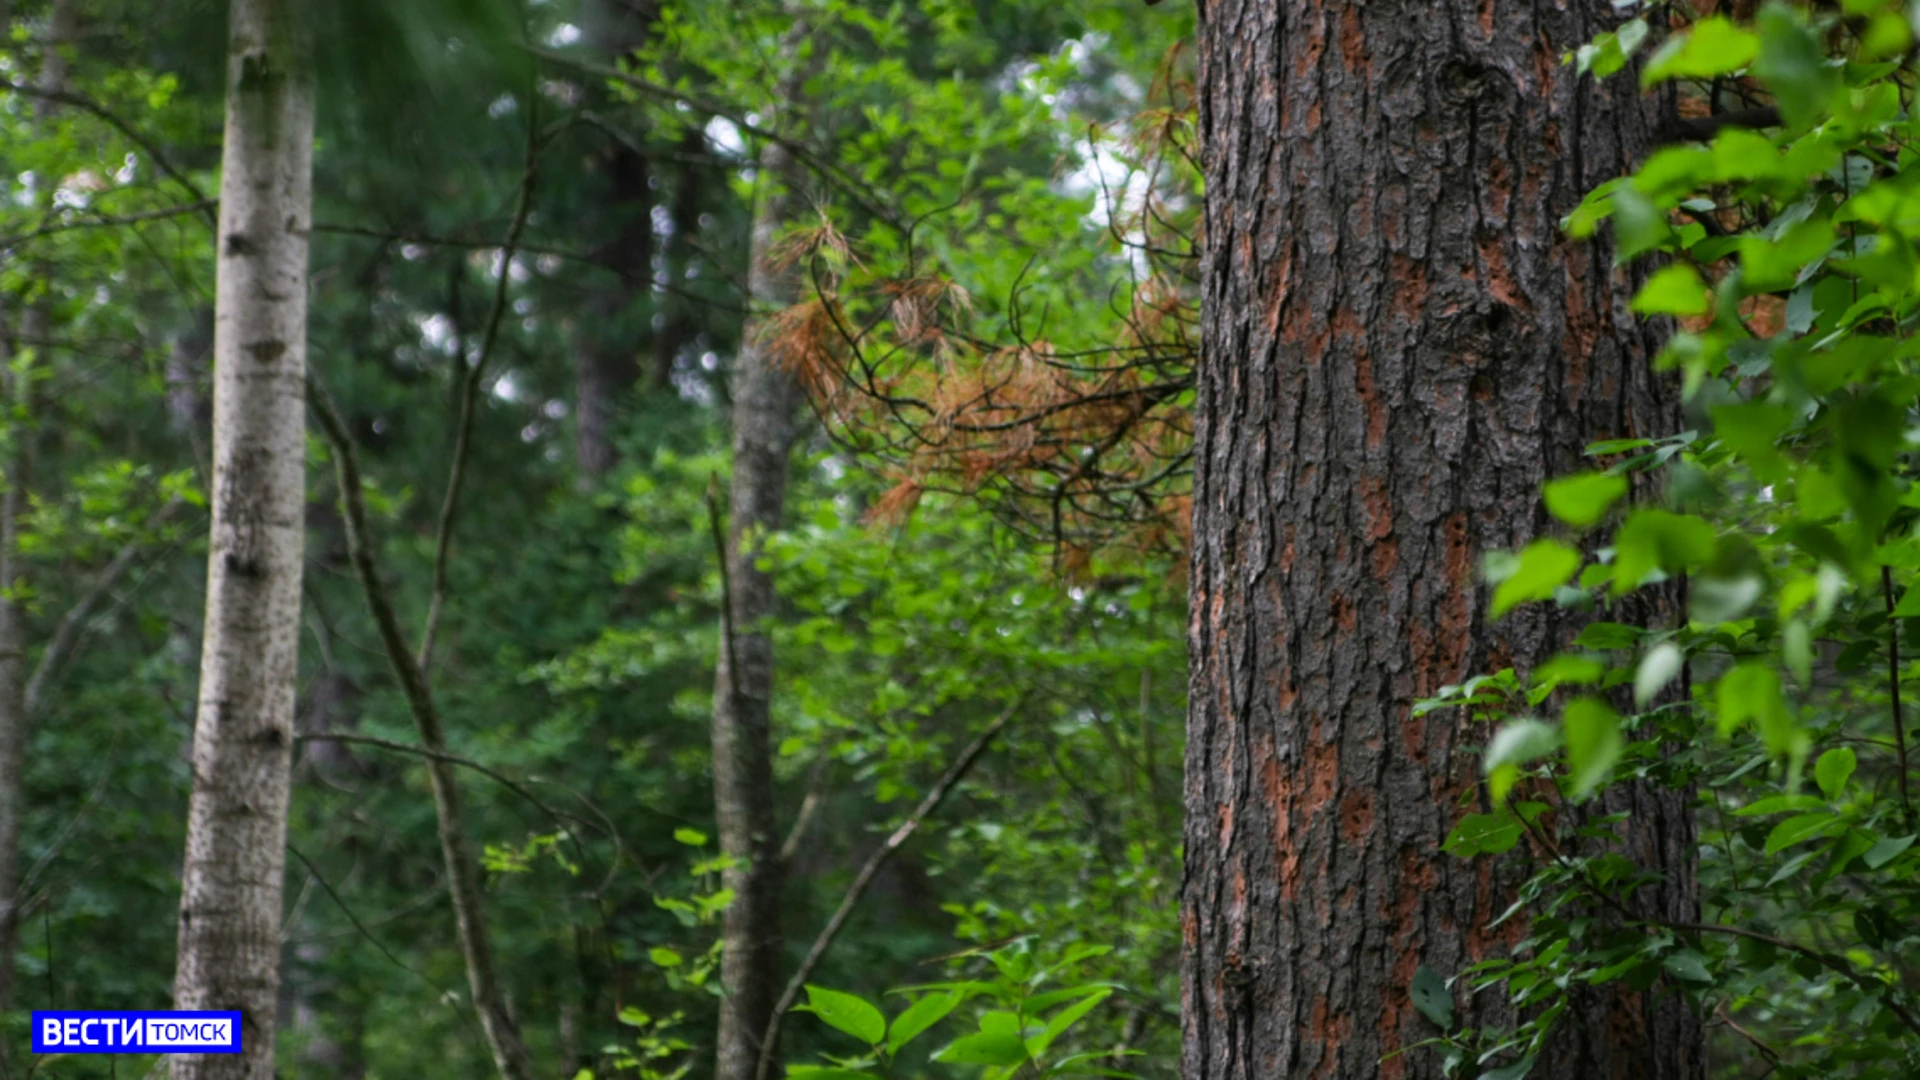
x=229 y=948
x=765 y=398
x=1399 y=346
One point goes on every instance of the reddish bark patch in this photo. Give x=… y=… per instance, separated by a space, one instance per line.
x=1353 y=40
x=1316 y=44
x=1329 y=1033
x=1373 y=495
x=1276 y=785
x=1500 y=281
x=1356 y=816
x=1386 y=559
x=1370 y=401
x=1323 y=769
x=1410 y=289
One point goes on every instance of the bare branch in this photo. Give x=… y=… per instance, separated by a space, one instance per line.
x=470 y=393
x=104 y=221
x=73 y=624
x=935 y=795
x=203 y=203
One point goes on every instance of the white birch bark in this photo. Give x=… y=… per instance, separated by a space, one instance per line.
x=243 y=732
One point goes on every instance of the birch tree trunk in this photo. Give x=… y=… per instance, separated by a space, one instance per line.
x=765 y=398
x=232 y=881
x=1398 y=347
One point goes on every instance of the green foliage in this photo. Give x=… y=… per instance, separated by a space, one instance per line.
x=1025 y=1024
x=1778 y=703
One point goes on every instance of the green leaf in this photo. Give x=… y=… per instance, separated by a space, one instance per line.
x=1780 y=804
x=1909 y=605
x=1065 y=1019
x=690 y=837
x=1792 y=64
x=1713 y=47
x=1688 y=965
x=918 y=1017
x=1544 y=566
x=1751 y=693
x=1658 y=540
x=1797 y=829
x=1483 y=834
x=1886 y=851
x=1676 y=289
x=1593 y=743
x=1792 y=867
x=1512 y=746
x=1656 y=670
x=1432 y=997
x=985 y=1048
x=1582 y=499
x=1516 y=1071
x=1796 y=647
x=847 y=1013
x=1833 y=770
x=1609 y=635
x=664 y=957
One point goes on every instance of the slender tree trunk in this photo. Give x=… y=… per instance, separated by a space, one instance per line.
x=16 y=395
x=680 y=328
x=612 y=339
x=614 y=334
x=230 y=905
x=765 y=398
x=1398 y=346
x=510 y=1057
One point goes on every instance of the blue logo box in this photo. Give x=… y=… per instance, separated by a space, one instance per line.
x=151 y=1031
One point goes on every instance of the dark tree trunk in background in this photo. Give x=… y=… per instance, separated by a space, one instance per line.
x=1399 y=346
x=612 y=336
x=680 y=326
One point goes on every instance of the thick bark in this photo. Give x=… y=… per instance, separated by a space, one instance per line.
x=1398 y=347
x=232 y=881
x=765 y=399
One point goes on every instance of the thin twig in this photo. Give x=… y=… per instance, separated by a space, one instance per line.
x=67 y=633
x=954 y=774
x=441 y=993
x=863 y=195
x=125 y=127
x=1893 y=688
x=809 y=806
x=463 y=885
x=727 y=630
x=452 y=759
x=1734 y=1025
x=104 y=221
x=470 y=392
